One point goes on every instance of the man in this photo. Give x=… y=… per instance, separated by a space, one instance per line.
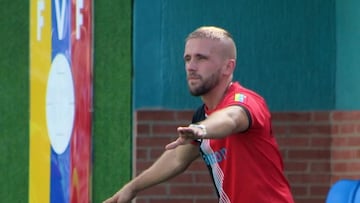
x=232 y=130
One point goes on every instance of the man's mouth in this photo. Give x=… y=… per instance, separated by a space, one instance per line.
x=193 y=77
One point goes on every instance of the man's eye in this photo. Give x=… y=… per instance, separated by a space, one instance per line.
x=201 y=57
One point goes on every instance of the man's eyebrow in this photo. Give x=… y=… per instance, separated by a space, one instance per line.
x=198 y=55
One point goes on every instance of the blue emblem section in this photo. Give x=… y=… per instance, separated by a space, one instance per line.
x=61 y=44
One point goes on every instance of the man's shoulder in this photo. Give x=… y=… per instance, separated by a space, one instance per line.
x=242 y=92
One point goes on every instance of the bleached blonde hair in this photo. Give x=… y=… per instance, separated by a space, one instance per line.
x=215 y=33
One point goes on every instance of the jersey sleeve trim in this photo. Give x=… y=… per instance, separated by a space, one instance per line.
x=248 y=116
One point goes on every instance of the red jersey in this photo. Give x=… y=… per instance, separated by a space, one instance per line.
x=246 y=167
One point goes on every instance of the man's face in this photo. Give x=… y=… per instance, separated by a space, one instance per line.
x=203 y=64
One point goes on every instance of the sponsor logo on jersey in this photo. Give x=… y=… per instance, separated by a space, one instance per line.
x=240 y=97
x=215 y=157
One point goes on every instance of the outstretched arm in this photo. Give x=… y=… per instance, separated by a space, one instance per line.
x=218 y=125
x=171 y=163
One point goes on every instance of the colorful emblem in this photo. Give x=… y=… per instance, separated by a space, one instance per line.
x=60 y=101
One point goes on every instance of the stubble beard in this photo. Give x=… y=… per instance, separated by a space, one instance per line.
x=206 y=85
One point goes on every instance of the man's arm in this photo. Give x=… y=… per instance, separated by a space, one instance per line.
x=218 y=125
x=170 y=164
x=225 y=122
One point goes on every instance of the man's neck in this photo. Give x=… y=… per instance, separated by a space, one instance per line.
x=214 y=97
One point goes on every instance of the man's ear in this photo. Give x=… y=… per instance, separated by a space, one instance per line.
x=230 y=66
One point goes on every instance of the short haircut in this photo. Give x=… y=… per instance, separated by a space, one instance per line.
x=215 y=33
x=210 y=32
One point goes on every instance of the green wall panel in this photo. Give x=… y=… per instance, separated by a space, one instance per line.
x=112 y=97
x=348 y=54
x=286 y=50
x=14 y=104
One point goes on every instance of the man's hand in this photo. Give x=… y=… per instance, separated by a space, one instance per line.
x=187 y=135
x=125 y=195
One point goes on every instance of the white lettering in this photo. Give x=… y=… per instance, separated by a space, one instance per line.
x=79 y=17
x=60 y=18
x=40 y=19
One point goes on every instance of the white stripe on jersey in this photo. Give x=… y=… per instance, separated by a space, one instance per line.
x=218 y=174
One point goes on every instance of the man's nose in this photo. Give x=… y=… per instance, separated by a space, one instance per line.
x=191 y=65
